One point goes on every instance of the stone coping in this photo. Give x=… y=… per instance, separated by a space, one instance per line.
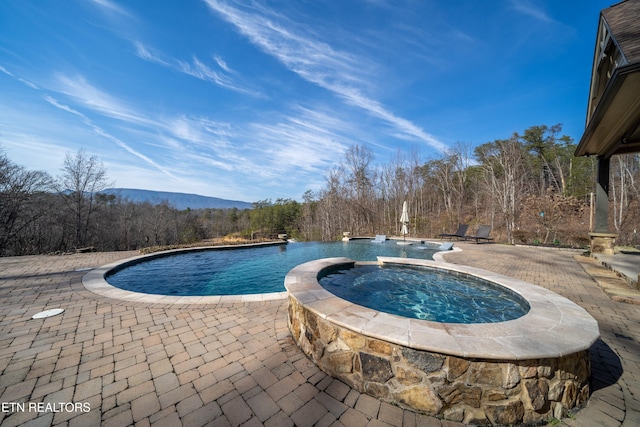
x=603 y=234
x=553 y=327
x=94 y=281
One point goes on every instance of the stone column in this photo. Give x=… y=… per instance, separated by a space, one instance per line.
x=601 y=241
x=602 y=196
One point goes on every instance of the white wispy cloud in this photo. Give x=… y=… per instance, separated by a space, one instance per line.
x=207 y=137
x=195 y=68
x=100 y=131
x=296 y=145
x=33 y=149
x=208 y=161
x=111 y=6
x=144 y=52
x=132 y=151
x=190 y=150
x=91 y=97
x=7 y=72
x=339 y=72
x=64 y=107
x=534 y=11
x=199 y=70
x=96 y=100
x=303 y=141
x=403 y=128
x=222 y=64
x=20 y=79
x=200 y=131
x=300 y=142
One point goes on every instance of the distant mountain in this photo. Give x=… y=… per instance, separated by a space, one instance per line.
x=179 y=201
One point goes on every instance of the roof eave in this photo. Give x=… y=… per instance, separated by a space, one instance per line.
x=607 y=130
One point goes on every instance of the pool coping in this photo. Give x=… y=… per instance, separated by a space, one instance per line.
x=95 y=281
x=553 y=327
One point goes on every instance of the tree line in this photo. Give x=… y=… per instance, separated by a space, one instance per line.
x=44 y=214
x=529 y=188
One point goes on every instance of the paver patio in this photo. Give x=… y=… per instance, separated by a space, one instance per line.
x=123 y=363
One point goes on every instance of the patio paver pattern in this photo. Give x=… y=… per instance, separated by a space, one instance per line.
x=235 y=364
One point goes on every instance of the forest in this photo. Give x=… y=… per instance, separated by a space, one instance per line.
x=528 y=187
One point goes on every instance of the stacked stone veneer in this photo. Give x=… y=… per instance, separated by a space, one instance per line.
x=475 y=391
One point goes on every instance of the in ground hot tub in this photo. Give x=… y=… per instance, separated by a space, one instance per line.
x=532 y=368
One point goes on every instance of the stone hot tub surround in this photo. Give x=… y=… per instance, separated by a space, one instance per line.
x=527 y=370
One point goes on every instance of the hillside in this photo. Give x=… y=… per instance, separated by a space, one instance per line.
x=178 y=200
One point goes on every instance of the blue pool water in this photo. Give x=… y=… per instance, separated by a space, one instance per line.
x=424 y=293
x=244 y=271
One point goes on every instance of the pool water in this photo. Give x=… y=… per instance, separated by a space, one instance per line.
x=424 y=293
x=244 y=271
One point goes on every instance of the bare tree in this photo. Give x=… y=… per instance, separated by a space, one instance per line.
x=82 y=178
x=397 y=184
x=625 y=193
x=332 y=205
x=19 y=206
x=360 y=179
x=505 y=174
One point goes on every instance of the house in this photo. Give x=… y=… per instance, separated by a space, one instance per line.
x=613 y=108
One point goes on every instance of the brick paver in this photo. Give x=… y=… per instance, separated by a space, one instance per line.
x=128 y=363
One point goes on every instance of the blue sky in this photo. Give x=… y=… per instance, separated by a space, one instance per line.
x=251 y=100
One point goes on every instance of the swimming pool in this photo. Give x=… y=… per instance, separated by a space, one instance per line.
x=243 y=271
x=425 y=293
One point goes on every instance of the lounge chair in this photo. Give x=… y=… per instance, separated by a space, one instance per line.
x=445 y=246
x=460 y=232
x=380 y=238
x=481 y=234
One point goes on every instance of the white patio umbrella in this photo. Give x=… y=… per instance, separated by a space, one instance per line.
x=404 y=219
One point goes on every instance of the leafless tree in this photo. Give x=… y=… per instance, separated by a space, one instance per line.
x=83 y=176
x=360 y=178
x=625 y=193
x=503 y=162
x=19 y=202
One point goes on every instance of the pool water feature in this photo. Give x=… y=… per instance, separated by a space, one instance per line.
x=240 y=270
x=528 y=370
x=427 y=294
